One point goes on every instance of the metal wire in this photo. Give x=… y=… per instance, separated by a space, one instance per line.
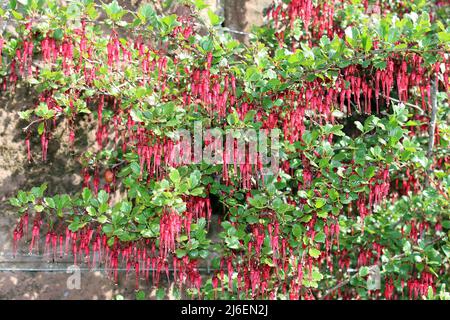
x=39 y=259
x=101 y=22
x=202 y=270
x=234 y=31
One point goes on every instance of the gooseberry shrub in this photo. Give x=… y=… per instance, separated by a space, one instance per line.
x=357 y=92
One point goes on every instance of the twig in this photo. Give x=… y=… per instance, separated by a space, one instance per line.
x=339 y=285
x=31 y=123
x=118 y=164
x=346 y=281
x=37 y=121
x=405 y=103
x=431 y=128
x=439 y=189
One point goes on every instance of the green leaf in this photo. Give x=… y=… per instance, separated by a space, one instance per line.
x=444 y=36
x=174 y=176
x=108 y=229
x=12 y=4
x=252 y=74
x=87 y=195
x=320 y=202
x=91 y=211
x=76 y=225
x=135 y=168
x=320 y=237
x=316 y=275
x=370 y=172
x=50 y=202
x=17 y=15
x=146 y=12
x=125 y=207
x=359 y=126
x=102 y=219
x=333 y=194
x=169 y=21
x=41 y=128
x=297 y=231
x=446 y=224
x=352 y=35
x=214 y=18
x=194 y=178
x=114 y=11
x=363 y=271
x=395 y=135
x=92 y=12
x=140 y=295
x=307 y=137
x=168 y=108
x=200 y=4
x=232 y=242
x=102 y=196
x=160 y=293
x=14 y=202
x=313 y=252
x=25 y=115
x=366 y=43
x=430 y=293
x=58 y=34
x=258 y=201
x=249 y=116
x=322 y=214
x=180 y=253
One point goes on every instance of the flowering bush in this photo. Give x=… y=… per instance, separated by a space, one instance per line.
x=351 y=201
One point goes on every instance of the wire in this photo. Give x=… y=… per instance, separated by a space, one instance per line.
x=39 y=258
x=66 y=270
x=101 y=22
x=234 y=31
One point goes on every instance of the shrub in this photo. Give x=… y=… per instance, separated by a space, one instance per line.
x=351 y=97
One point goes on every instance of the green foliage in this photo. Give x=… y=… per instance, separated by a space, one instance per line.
x=350 y=192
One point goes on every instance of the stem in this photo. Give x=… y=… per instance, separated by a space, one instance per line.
x=38 y=121
x=405 y=103
x=31 y=123
x=431 y=128
x=339 y=285
x=118 y=164
x=397 y=257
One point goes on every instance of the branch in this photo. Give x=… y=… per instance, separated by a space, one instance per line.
x=439 y=189
x=431 y=128
x=118 y=164
x=336 y=287
x=39 y=120
x=31 y=123
x=405 y=103
x=397 y=257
